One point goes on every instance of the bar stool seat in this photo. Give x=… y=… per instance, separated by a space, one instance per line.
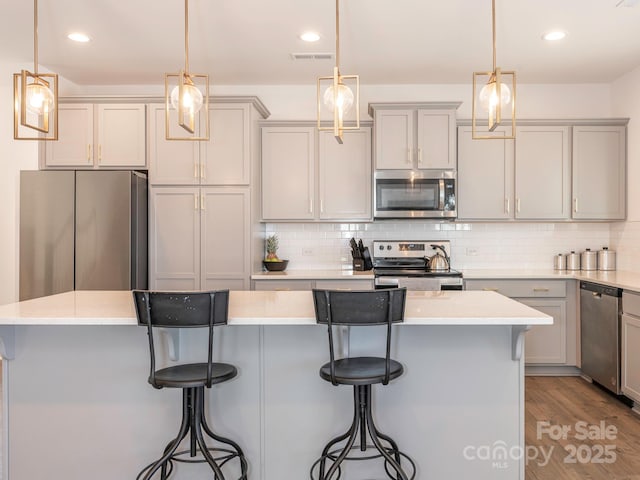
x=194 y=375
x=361 y=370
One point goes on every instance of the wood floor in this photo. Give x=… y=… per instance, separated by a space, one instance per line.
x=601 y=438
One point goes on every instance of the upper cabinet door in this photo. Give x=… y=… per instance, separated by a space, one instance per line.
x=543 y=169
x=485 y=178
x=436 y=147
x=171 y=162
x=345 y=175
x=121 y=139
x=74 y=147
x=226 y=156
x=288 y=162
x=599 y=161
x=394 y=137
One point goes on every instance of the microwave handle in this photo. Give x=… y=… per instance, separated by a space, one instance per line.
x=441 y=188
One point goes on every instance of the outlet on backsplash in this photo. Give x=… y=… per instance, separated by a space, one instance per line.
x=307 y=252
x=472 y=252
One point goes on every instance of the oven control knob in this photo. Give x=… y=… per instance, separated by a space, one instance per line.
x=388 y=247
x=381 y=247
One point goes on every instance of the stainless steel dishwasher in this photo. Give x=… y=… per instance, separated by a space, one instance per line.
x=600 y=309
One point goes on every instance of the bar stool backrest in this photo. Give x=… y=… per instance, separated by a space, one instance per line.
x=359 y=308
x=181 y=310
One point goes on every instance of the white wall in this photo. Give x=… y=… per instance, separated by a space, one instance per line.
x=14 y=156
x=625 y=100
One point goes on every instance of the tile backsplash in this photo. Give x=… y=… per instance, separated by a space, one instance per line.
x=625 y=240
x=473 y=245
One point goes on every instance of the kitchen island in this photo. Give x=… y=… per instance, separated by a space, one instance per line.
x=77 y=402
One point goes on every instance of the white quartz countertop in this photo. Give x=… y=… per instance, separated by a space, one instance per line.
x=627 y=280
x=273 y=308
x=314 y=275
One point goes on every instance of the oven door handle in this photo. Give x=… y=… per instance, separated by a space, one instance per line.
x=441 y=189
x=388 y=282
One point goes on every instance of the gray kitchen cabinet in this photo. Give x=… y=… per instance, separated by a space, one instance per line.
x=188 y=247
x=630 y=339
x=109 y=135
x=528 y=179
x=307 y=175
x=414 y=136
x=485 y=177
x=350 y=284
x=599 y=172
x=542 y=173
x=544 y=344
x=223 y=160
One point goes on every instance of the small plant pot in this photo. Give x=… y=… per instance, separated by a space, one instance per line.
x=275 y=266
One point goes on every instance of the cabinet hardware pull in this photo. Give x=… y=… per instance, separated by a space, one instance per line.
x=89 y=153
x=195 y=201
x=517 y=205
x=541 y=289
x=419 y=156
x=575 y=205
x=99 y=153
x=321 y=206
x=195 y=169
x=489 y=289
x=202 y=171
x=506 y=203
x=408 y=155
x=311 y=205
x=202 y=202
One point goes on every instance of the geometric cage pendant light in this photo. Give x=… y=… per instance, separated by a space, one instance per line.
x=493 y=114
x=35 y=98
x=336 y=98
x=184 y=98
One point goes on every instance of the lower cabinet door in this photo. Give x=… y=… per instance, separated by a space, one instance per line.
x=547 y=344
x=630 y=340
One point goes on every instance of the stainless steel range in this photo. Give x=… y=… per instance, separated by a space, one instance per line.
x=417 y=265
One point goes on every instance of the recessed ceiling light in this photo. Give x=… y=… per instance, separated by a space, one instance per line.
x=554 y=35
x=78 y=37
x=310 y=37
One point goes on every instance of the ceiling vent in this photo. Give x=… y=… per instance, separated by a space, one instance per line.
x=312 y=56
x=627 y=3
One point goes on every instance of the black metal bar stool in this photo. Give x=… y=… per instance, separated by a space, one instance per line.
x=361 y=308
x=189 y=310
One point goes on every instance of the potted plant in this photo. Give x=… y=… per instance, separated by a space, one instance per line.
x=271 y=262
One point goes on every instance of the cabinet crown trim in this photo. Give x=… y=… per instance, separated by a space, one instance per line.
x=413 y=105
x=560 y=122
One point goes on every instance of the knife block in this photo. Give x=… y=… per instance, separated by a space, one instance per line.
x=358 y=264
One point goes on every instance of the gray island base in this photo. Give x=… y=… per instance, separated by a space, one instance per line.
x=77 y=403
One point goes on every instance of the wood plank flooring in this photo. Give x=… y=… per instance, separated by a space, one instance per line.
x=611 y=449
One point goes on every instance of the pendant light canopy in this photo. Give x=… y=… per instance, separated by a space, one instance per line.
x=494 y=98
x=337 y=98
x=35 y=97
x=184 y=98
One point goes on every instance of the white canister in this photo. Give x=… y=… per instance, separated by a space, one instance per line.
x=589 y=260
x=559 y=262
x=606 y=259
x=573 y=261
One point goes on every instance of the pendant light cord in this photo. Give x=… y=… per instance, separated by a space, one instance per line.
x=186 y=36
x=338 y=35
x=35 y=37
x=493 y=27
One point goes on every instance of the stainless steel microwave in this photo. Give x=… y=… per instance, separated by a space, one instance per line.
x=414 y=194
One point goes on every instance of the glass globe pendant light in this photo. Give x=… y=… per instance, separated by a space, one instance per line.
x=495 y=100
x=338 y=98
x=35 y=98
x=184 y=97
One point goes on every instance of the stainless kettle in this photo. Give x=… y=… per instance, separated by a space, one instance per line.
x=439 y=262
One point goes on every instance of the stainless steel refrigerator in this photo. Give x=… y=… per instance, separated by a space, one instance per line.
x=82 y=230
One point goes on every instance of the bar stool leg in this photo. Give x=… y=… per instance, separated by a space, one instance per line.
x=197 y=430
x=237 y=450
x=173 y=445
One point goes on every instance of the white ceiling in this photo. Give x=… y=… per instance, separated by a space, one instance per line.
x=384 y=41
